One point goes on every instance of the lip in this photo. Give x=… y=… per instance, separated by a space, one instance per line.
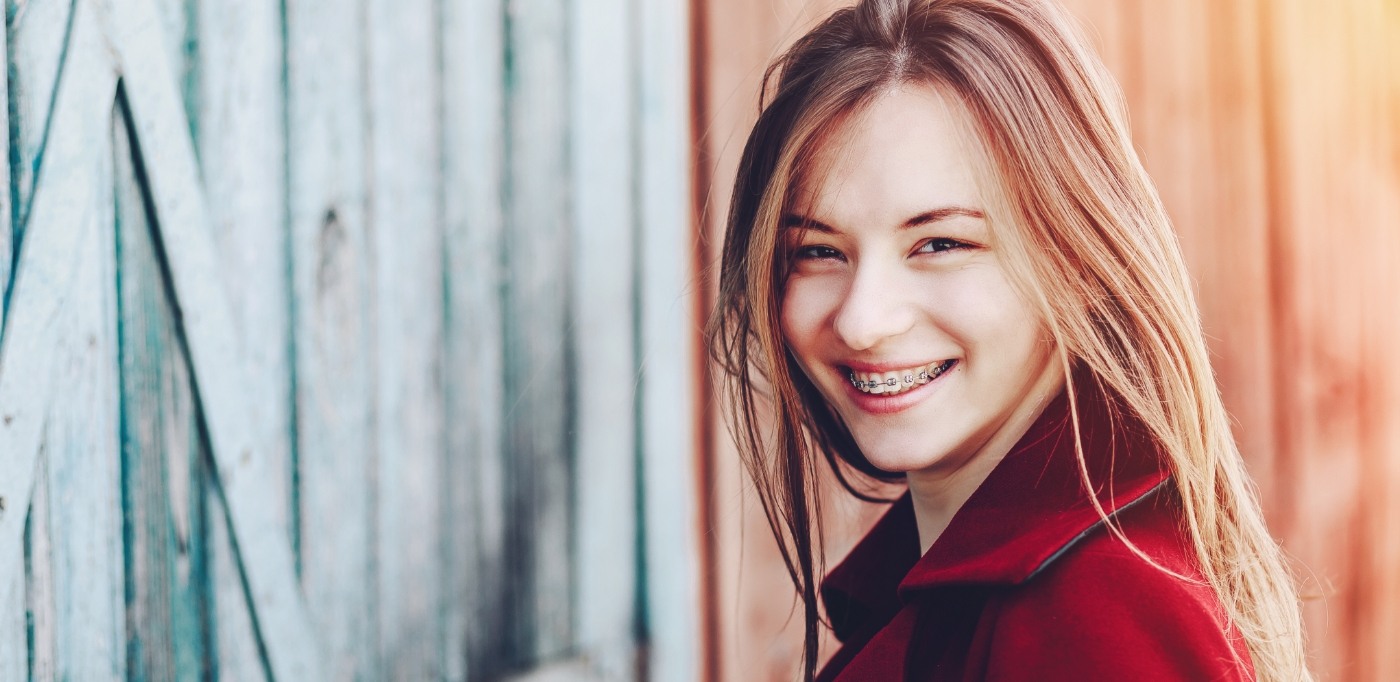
x=873 y=367
x=882 y=404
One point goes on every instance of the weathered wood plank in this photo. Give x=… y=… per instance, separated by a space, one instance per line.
x=38 y=608
x=668 y=329
x=161 y=451
x=406 y=233
x=1374 y=171
x=240 y=141
x=1318 y=317
x=1230 y=248
x=538 y=380
x=332 y=326
x=38 y=35
x=56 y=323
x=45 y=282
x=82 y=504
x=1203 y=108
x=473 y=165
x=7 y=223
x=14 y=646
x=178 y=36
x=155 y=110
x=1378 y=24
x=14 y=630
x=603 y=145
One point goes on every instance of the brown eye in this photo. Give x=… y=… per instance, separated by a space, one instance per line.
x=816 y=253
x=940 y=244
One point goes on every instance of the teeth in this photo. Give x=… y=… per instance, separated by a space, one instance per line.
x=890 y=383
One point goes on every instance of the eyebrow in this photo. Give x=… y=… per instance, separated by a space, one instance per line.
x=931 y=216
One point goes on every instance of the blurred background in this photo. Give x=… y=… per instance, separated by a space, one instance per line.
x=359 y=339
x=1272 y=130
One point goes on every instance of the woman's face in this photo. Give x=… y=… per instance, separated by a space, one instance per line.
x=898 y=306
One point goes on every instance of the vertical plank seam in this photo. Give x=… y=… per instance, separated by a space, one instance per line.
x=378 y=659
x=445 y=490
x=293 y=311
x=1277 y=262
x=570 y=360
x=640 y=604
x=510 y=538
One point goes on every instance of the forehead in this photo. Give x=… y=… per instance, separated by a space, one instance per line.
x=909 y=150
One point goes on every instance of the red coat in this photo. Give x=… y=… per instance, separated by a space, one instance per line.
x=1027 y=584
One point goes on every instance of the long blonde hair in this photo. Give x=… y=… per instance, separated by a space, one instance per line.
x=1084 y=235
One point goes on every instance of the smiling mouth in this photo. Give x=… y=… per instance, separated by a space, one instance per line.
x=899 y=381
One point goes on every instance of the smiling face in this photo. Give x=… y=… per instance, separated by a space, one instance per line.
x=897 y=305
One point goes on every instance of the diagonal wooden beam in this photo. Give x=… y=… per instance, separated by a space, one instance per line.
x=185 y=230
x=59 y=220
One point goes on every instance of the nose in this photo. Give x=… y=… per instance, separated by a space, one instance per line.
x=874 y=310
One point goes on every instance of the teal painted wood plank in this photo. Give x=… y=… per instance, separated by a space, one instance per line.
x=407 y=238
x=473 y=165
x=538 y=381
x=83 y=501
x=167 y=593
x=45 y=282
x=240 y=142
x=60 y=336
x=40 y=646
x=13 y=632
x=603 y=143
x=154 y=106
x=333 y=327
x=6 y=218
x=176 y=20
x=37 y=35
x=668 y=330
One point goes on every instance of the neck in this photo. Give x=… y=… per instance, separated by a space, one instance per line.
x=938 y=494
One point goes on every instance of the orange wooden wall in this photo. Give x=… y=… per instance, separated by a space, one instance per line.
x=1272 y=128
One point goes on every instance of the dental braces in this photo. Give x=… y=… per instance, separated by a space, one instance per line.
x=909 y=380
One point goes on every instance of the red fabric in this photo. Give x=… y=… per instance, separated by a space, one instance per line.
x=1027 y=584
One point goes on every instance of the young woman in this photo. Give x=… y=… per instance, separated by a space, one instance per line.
x=945 y=264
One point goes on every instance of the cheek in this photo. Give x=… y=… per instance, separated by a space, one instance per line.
x=804 y=307
x=985 y=313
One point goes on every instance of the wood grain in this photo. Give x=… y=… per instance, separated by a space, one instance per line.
x=14 y=641
x=162 y=453
x=332 y=327
x=38 y=37
x=235 y=94
x=406 y=240
x=153 y=105
x=602 y=136
x=671 y=401
x=39 y=645
x=537 y=356
x=473 y=101
x=46 y=280
x=7 y=221
x=84 y=515
x=382 y=317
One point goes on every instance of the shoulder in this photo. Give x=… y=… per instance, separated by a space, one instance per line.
x=1101 y=611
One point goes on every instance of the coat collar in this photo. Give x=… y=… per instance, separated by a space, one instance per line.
x=1027 y=513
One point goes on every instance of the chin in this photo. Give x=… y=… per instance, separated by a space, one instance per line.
x=901 y=460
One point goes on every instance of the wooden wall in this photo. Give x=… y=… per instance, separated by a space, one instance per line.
x=1272 y=129
x=347 y=341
